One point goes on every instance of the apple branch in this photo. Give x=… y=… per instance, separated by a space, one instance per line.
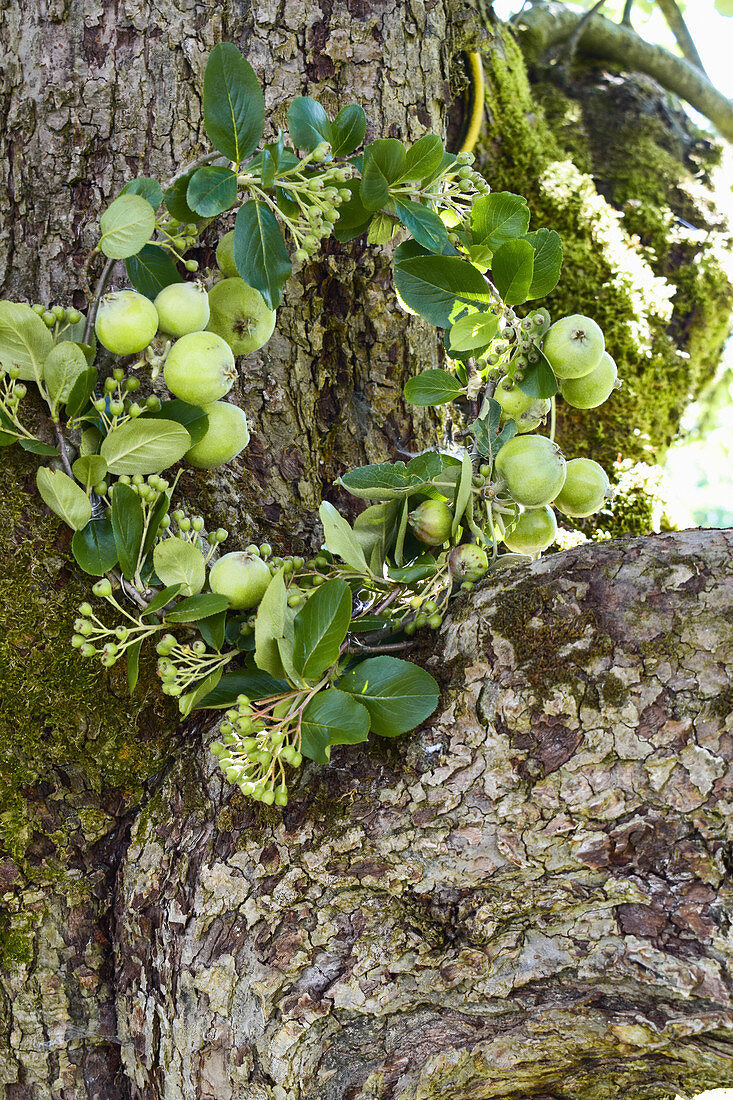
x=548 y=24
x=678 y=27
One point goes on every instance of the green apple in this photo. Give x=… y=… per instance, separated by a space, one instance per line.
x=126 y=322
x=468 y=562
x=527 y=412
x=573 y=346
x=533 y=532
x=226 y=435
x=200 y=368
x=431 y=522
x=240 y=315
x=225 y=256
x=585 y=490
x=533 y=468
x=182 y=308
x=592 y=389
x=241 y=577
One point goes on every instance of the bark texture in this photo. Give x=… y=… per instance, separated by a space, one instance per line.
x=527 y=899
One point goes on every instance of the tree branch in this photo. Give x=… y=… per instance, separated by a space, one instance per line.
x=626 y=17
x=547 y=24
x=678 y=27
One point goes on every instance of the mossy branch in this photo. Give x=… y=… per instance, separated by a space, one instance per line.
x=548 y=24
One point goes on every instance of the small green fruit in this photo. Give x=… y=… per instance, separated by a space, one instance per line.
x=225 y=256
x=468 y=562
x=200 y=368
x=585 y=490
x=226 y=435
x=126 y=322
x=182 y=308
x=573 y=346
x=527 y=412
x=240 y=315
x=592 y=389
x=431 y=522
x=533 y=468
x=242 y=577
x=533 y=532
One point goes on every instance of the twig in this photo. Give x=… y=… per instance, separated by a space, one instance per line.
x=63 y=453
x=678 y=27
x=574 y=40
x=626 y=17
x=355 y=646
x=205 y=159
x=94 y=304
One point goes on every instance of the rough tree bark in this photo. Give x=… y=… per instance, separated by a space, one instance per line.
x=519 y=876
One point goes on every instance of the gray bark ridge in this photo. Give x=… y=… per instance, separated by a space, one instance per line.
x=528 y=898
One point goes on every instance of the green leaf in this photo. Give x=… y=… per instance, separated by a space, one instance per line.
x=512 y=269
x=332 y=718
x=151 y=270
x=547 y=245
x=90 y=469
x=724 y=7
x=397 y=694
x=270 y=625
x=192 y=417
x=384 y=162
x=440 y=287
x=188 y=702
x=448 y=161
x=149 y=188
x=424 y=224
x=175 y=199
x=423 y=158
x=212 y=190
x=433 y=387
x=354 y=217
x=64 y=364
x=348 y=130
x=162 y=598
x=463 y=493
x=340 y=539
x=320 y=627
x=213 y=630
x=24 y=340
x=255 y=684
x=127 y=527
x=35 y=447
x=499 y=217
x=308 y=123
x=179 y=562
x=539 y=379
x=145 y=446
x=419 y=570
x=159 y=510
x=374 y=529
x=64 y=497
x=196 y=607
x=473 y=331
x=133 y=664
x=485 y=431
x=234 y=107
x=260 y=254
x=81 y=391
x=379 y=481
x=94 y=547
x=127 y=224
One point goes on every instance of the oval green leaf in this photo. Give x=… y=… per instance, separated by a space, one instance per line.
x=151 y=270
x=308 y=123
x=64 y=497
x=260 y=255
x=179 y=562
x=24 y=340
x=397 y=694
x=234 y=106
x=332 y=718
x=320 y=627
x=145 y=446
x=433 y=387
x=126 y=225
x=94 y=547
x=212 y=190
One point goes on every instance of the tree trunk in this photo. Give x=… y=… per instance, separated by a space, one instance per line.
x=526 y=899
x=427 y=911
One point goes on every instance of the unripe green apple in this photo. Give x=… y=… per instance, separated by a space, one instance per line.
x=468 y=562
x=585 y=490
x=182 y=308
x=533 y=532
x=225 y=256
x=592 y=389
x=533 y=468
x=526 y=412
x=240 y=315
x=241 y=577
x=573 y=346
x=126 y=322
x=226 y=435
x=200 y=368
x=431 y=522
